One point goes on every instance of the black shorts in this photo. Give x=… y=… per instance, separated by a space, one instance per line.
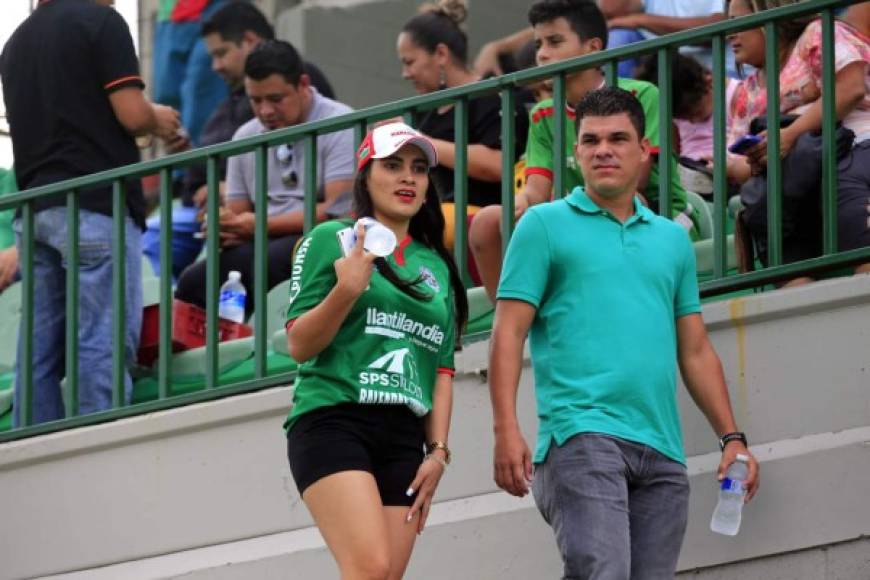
x=386 y=441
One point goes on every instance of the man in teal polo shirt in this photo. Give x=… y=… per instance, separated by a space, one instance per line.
x=607 y=292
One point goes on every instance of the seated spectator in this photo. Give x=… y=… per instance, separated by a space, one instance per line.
x=8 y=251
x=800 y=83
x=281 y=95
x=230 y=34
x=565 y=29
x=692 y=109
x=433 y=50
x=635 y=20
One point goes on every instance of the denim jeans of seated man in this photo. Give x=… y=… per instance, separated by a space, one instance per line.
x=95 y=312
x=618 y=508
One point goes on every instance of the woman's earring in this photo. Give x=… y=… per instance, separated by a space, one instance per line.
x=442 y=79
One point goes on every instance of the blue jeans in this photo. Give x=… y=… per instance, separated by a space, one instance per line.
x=618 y=508
x=95 y=312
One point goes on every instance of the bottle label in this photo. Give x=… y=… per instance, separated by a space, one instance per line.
x=732 y=485
x=232 y=297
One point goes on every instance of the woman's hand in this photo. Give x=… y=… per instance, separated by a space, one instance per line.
x=757 y=155
x=354 y=271
x=428 y=475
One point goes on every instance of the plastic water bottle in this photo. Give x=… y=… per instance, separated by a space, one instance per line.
x=728 y=512
x=232 y=299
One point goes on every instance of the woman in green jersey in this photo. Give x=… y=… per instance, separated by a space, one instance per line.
x=367 y=436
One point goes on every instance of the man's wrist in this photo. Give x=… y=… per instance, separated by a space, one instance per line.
x=730 y=437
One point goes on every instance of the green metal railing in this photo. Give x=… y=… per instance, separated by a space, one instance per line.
x=357 y=121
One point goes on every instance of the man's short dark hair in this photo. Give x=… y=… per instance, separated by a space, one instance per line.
x=584 y=16
x=274 y=57
x=610 y=101
x=233 y=20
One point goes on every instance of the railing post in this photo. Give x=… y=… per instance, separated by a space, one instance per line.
x=610 y=73
x=665 y=131
x=72 y=304
x=310 y=202
x=212 y=272
x=508 y=135
x=720 y=173
x=119 y=293
x=774 y=168
x=28 y=232
x=261 y=245
x=829 y=121
x=559 y=137
x=460 y=184
x=164 y=353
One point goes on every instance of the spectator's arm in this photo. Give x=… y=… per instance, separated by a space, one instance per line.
x=138 y=116
x=487 y=59
x=662 y=24
x=616 y=8
x=702 y=373
x=849 y=92
x=484 y=163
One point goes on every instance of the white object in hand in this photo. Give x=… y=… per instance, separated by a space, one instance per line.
x=729 y=510
x=380 y=240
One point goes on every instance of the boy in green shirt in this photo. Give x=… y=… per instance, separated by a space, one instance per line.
x=566 y=30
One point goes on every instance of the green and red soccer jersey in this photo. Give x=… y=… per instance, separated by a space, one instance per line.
x=391 y=346
x=539 y=147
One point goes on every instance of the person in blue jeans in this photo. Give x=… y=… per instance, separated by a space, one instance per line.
x=77 y=119
x=607 y=292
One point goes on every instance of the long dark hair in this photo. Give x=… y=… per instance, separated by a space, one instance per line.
x=427 y=227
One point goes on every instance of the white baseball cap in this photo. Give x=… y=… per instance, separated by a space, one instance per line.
x=384 y=140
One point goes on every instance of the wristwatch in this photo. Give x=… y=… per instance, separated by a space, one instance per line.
x=432 y=446
x=735 y=436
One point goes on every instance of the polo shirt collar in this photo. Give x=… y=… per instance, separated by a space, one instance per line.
x=581 y=200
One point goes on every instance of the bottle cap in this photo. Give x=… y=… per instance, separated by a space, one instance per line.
x=380 y=240
x=235 y=275
x=742 y=457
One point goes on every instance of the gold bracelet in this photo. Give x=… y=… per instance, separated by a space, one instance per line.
x=433 y=445
x=437 y=459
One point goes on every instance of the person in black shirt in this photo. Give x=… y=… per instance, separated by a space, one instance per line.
x=74 y=103
x=433 y=51
x=230 y=34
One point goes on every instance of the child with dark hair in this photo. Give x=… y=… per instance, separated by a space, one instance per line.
x=692 y=109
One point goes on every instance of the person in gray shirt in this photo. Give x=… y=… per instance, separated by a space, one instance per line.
x=281 y=96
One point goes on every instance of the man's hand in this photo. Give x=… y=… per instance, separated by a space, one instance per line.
x=729 y=456
x=8 y=266
x=487 y=61
x=178 y=143
x=167 y=122
x=512 y=463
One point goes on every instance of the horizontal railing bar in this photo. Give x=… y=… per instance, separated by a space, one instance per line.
x=488 y=86
x=775 y=274
x=202 y=396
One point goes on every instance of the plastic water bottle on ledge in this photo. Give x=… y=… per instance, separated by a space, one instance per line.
x=729 y=510
x=232 y=298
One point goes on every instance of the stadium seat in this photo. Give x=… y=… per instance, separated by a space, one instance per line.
x=10 y=317
x=703 y=214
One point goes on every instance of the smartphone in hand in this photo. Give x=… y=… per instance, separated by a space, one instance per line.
x=744 y=144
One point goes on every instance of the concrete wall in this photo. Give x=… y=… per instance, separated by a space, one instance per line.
x=205 y=492
x=354 y=42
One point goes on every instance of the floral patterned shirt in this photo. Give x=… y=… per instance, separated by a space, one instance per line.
x=800 y=81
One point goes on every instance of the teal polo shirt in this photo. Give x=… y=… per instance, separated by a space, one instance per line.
x=603 y=340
